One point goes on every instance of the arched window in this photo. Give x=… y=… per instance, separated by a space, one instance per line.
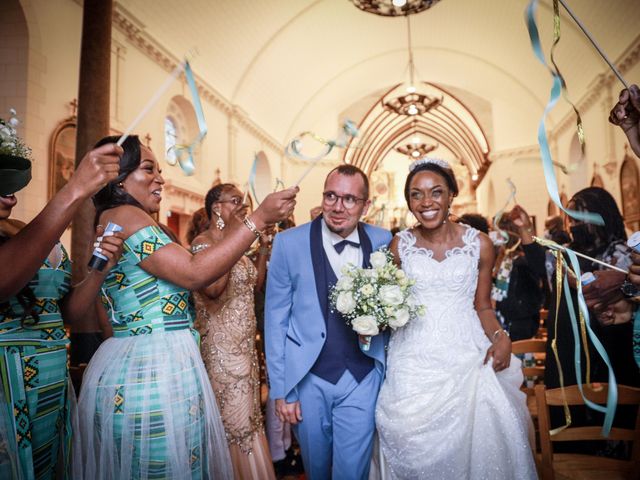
x=170 y=139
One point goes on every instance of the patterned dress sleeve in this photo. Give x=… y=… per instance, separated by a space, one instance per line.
x=144 y=243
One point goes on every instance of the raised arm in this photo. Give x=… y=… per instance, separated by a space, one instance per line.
x=26 y=251
x=194 y=272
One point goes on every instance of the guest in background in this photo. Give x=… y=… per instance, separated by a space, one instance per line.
x=476 y=221
x=227 y=322
x=517 y=290
x=626 y=115
x=605 y=243
x=198 y=224
x=35 y=398
x=147 y=408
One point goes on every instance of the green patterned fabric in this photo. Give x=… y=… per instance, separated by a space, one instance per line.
x=33 y=367
x=140 y=403
x=144 y=303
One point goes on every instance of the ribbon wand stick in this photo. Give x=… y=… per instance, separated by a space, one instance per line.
x=555 y=246
x=163 y=88
x=594 y=43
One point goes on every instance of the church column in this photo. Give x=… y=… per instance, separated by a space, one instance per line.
x=93 y=112
x=93 y=124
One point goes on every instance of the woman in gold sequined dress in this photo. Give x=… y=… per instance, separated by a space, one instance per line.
x=227 y=323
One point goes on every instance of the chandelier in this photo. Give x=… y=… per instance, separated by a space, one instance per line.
x=412 y=102
x=394 y=8
x=416 y=148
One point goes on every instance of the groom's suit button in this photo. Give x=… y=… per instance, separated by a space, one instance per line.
x=322 y=334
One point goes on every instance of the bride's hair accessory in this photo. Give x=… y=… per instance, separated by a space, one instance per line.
x=424 y=160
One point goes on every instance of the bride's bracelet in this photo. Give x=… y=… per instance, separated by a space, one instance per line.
x=495 y=335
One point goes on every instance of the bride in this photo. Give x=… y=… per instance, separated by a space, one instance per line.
x=450 y=406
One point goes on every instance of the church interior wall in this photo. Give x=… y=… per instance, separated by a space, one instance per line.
x=53 y=46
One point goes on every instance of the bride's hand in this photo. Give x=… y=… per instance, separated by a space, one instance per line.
x=501 y=353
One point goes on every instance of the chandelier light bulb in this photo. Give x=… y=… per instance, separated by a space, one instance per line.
x=411 y=89
x=412 y=110
x=415 y=140
x=415 y=153
x=474 y=177
x=399 y=3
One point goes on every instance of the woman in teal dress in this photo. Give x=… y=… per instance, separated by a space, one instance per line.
x=36 y=397
x=147 y=409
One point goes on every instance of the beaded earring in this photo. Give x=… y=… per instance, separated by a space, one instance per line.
x=219 y=222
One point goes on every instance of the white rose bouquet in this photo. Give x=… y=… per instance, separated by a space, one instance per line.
x=372 y=299
x=10 y=143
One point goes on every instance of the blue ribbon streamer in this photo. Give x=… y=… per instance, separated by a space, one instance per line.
x=556 y=90
x=184 y=153
x=498 y=215
x=347 y=131
x=612 y=395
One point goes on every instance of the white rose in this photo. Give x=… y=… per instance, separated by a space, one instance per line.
x=365 y=325
x=367 y=290
x=399 y=319
x=378 y=259
x=391 y=294
x=345 y=283
x=345 y=302
x=348 y=268
x=400 y=274
x=370 y=273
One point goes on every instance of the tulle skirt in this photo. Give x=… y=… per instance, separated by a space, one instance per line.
x=147 y=411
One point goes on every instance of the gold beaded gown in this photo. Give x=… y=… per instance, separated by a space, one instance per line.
x=227 y=326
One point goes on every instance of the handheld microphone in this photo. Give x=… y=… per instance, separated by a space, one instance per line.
x=98 y=261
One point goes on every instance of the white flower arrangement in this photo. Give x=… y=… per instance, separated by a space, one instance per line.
x=10 y=143
x=372 y=299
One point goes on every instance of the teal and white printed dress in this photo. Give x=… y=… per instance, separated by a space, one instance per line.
x=147 y=410
x=36 y=395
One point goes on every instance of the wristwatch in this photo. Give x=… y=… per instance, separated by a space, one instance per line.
x=629 y=290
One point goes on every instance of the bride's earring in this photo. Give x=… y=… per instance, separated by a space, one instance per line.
x=447 y=216
x=219 y=222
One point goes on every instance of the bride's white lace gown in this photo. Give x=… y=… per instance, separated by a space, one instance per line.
x=441 y=413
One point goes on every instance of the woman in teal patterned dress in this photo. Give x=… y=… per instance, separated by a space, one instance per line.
x=35 y=398
x=147 y=409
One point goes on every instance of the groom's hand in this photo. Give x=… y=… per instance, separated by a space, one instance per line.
x=288 y=412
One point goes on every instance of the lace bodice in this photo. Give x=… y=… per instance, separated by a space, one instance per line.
x=441 y=412
x=446 y=288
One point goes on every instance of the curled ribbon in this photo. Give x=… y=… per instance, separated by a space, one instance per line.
x=612 y=396
x=184 y=152
x=498 y=215
x=347 y=131
x=545 y=153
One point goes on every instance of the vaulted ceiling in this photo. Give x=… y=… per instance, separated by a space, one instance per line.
x=297 y=65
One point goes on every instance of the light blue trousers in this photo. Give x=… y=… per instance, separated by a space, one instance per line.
x=338 y=422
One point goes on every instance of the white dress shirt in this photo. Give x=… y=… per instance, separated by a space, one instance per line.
x=350 y=254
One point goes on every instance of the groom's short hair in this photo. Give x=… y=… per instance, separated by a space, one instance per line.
x=349 y=171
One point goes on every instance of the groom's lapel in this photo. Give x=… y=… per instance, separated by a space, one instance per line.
x=319 y=265
x=365 y=244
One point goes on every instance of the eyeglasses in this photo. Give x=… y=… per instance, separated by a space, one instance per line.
x=237 y=201
x=348 y=201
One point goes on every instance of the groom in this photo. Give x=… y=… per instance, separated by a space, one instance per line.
x=323 y=384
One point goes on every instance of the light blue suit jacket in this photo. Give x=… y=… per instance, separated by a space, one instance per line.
x=296 y=299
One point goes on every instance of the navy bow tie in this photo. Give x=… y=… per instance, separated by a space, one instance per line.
x=340 y=245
